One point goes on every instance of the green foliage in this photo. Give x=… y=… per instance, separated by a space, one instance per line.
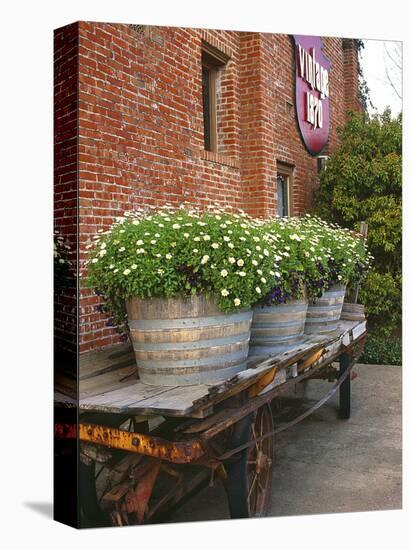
x=318 y=254
x=363 y=182
x=382 y=351
x=170 y=253
x=241 y=261
x=382 y=295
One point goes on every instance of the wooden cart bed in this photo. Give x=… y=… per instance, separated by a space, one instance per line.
x=108 y=378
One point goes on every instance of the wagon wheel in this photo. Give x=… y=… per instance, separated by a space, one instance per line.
x=249 y=477
x=90 y=471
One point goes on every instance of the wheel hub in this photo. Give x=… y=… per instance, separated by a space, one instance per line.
x=262 y=462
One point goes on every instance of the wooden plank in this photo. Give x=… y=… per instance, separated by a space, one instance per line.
x=107 y=382
x=178 y=400
x=119 y=400
x=358 y=330
x=197 y=401
x=61 y=399
x=65 y=385
x=106 y=360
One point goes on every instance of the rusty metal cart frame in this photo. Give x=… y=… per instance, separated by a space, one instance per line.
x=227 y=432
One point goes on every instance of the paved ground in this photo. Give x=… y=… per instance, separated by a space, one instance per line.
x=327 y=465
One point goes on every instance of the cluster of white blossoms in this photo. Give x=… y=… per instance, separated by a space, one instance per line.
x=172 y=250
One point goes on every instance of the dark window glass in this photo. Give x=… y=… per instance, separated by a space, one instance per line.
x=282 y=190
x=206 y=106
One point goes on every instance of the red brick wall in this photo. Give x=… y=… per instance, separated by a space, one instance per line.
x=141 y=127
x=66 y=72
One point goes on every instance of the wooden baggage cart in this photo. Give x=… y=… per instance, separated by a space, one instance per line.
x=145 y=449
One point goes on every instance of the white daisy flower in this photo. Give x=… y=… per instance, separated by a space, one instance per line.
x=240 y=263
x=242 y=274
x=223 y=273
x=139 y=242
x=224 y=292
x=254 y=262
x=263 y=280
x=215 y=245
x=168 y=256
x=236 y=301
x=134 y=266
x=231 y=260
x=205 y=259
x=258 y=290
x=126 y=272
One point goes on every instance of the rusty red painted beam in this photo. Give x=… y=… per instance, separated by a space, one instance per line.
x=180 y=452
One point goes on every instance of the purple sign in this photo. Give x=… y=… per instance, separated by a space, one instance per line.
x=312 y=92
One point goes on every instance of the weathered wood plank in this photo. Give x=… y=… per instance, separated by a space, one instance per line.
x=134 y=397
x=107 y=382
x=106 y=360
x=358 y=330
x=119 y=400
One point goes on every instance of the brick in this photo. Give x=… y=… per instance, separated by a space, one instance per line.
x=139 y=137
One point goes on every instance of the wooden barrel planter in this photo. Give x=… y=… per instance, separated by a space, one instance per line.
x=276 y=329
x=187 y=341
x=324 y=313
x=353 y=312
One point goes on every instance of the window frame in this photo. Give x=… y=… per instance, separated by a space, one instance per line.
x=287 y=172
x=212 y=60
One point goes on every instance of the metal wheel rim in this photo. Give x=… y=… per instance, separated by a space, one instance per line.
x=259 y=464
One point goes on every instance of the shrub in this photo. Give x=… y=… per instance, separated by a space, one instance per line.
x=363 y=182
x=382 y=351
